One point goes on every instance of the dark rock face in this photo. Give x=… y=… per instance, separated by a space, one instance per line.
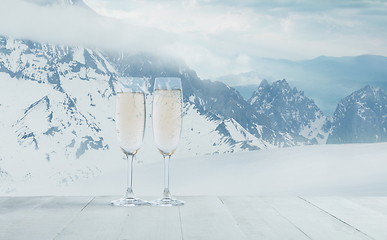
x=361 y=117
x=288 y=109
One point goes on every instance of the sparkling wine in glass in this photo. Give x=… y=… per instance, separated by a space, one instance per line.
x=130 y=127
x=167 y=124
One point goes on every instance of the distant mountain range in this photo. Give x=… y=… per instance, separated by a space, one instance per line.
x=325 y=79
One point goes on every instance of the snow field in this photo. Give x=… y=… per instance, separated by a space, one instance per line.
x=321 y=170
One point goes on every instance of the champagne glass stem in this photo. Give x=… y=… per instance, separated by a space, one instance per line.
x=166 y=193
x=129 y=191
x=129 y=199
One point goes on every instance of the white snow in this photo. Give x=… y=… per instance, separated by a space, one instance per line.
x=348 y=170
x=314 y=129
x=78 y=55
x=233 y=127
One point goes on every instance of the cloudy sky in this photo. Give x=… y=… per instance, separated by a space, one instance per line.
x=214 y=37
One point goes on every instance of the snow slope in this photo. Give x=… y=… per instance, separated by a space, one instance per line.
x=350 y=170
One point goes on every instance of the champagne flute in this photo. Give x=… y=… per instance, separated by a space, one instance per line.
x=130 y=127
x=167 y=124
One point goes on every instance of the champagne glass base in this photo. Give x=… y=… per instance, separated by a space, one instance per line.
x=166 y=202
x=129 y=202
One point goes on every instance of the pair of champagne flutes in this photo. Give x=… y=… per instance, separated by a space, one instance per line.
x=130 y=126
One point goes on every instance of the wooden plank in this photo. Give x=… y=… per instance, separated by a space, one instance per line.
x=314 y=222
x=38 y=217
x=3 y=199
x=152 y=223
x=98 y=220
x=366 y=220
x=201 y=218
x=208 y=218
x=15 y=215
x=15 y=204
x=258 y=220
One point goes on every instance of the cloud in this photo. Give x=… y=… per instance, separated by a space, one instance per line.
x=73 y=25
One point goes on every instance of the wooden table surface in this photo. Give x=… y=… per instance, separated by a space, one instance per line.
x=202 y=217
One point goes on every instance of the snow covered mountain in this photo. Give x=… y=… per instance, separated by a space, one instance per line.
x=57 y=111
x=361 y=117
x=290 y=111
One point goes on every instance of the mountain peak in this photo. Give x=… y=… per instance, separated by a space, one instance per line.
x=368 y=92
x=281 y=85
x=366 y=88
x=288 y=109
x=264 y=84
